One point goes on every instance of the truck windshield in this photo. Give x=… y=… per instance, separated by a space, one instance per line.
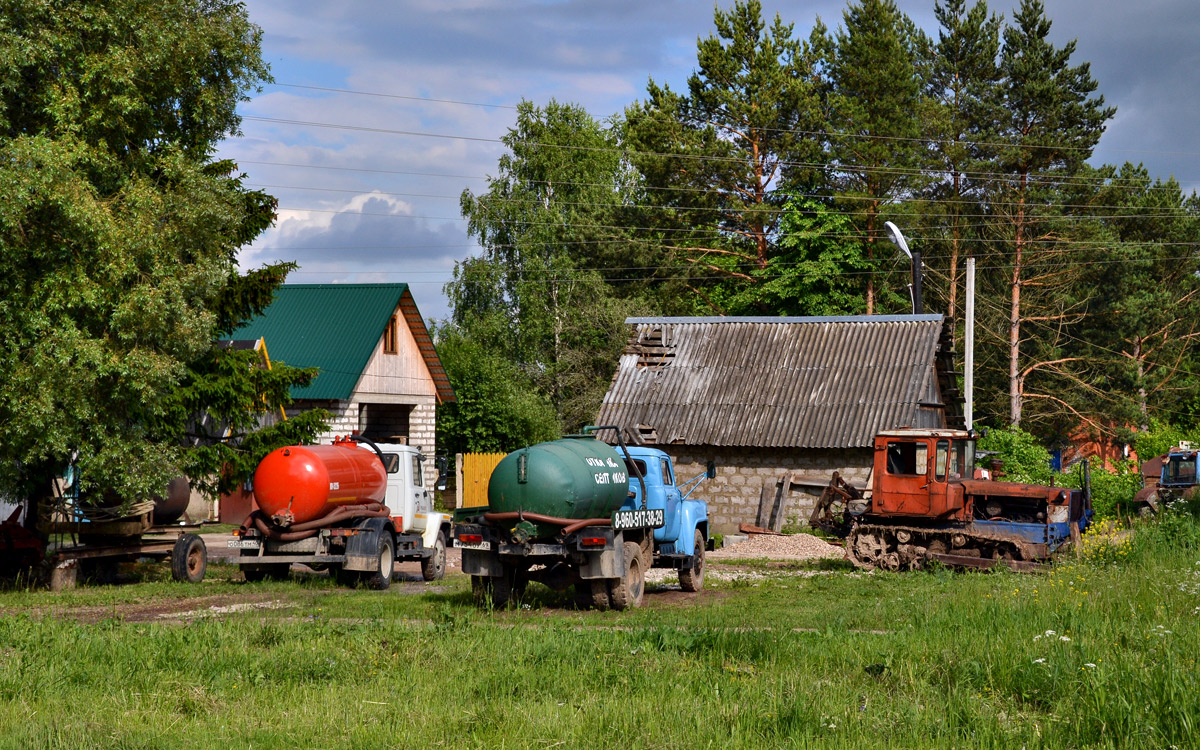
x=962 y=459
x=1181 y=469
x=639 y=470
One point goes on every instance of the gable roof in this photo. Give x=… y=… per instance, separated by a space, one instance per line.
x=336 y=327
x=829 y=382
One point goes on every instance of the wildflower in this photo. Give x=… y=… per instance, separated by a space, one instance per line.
x=1090 y=665
x=1039 y=661
x=1063 y=638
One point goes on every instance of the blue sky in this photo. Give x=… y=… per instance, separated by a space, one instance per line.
x=361 y=205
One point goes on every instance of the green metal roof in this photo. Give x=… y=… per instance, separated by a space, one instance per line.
x=334 y=327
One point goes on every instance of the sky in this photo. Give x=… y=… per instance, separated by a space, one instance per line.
x=382 y=113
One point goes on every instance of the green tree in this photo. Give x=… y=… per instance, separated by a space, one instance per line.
x=118 y=234
x=960 y=74
x=1147 y=366
x=547 y=222
x=875 y=109
x=1051 y=122
x=712 y=158
x=497 y=409
x=819 y=268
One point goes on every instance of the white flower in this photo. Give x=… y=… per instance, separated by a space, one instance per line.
x=1039 y=661
x=1063 y=638
x=1089 y=664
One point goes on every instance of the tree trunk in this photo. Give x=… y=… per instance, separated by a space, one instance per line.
x=1015 y=384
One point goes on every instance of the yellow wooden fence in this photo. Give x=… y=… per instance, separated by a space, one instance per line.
x=475 y=469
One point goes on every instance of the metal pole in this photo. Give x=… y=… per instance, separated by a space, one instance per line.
x=918 y=308
x=969 y=347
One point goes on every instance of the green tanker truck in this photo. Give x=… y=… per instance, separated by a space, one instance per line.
x=579 y=513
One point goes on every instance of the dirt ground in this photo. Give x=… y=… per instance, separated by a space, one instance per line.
x=664 y=590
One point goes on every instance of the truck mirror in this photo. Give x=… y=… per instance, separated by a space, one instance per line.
x=710 y=470
x=442 y=464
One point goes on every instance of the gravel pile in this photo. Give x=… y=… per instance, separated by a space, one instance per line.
x=786 y=547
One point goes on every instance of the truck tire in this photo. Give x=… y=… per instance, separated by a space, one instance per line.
x=385 y=563
x=498 y=590
x=189 y=559
x=692 y=579
x=266 y=572
x=627 y=591
x=343 y=577
x=434 y=566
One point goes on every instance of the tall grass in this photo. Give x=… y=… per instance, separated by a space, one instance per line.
x=1098 y=652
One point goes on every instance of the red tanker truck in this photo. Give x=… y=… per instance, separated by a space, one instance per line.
x=354 y=507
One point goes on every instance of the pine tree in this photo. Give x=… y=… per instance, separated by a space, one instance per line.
x=960 y=75
x=1051 y=124
x=713 y=158
x=875 y=106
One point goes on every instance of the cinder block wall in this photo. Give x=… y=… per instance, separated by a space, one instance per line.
x=733 y=496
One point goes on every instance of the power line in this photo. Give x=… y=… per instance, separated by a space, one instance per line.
x=1037 y=178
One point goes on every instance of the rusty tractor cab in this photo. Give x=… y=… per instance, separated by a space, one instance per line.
x=1168 y=479
x=929 y=502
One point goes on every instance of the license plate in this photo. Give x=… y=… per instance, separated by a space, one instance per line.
x=244 y=544
x=652 y=518
x=472 y=545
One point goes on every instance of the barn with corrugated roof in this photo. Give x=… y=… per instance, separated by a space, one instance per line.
x=778 y=403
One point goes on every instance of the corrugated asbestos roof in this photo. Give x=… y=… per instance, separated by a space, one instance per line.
x=779 y=382
x=335 y=327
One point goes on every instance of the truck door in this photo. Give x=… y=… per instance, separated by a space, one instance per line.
x=939 y=489
x=905 y=486
x=670 y=531
x=420 y=495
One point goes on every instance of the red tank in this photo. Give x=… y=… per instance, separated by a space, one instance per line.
x=303 y=482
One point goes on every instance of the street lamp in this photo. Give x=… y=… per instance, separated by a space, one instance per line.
x=897 y=237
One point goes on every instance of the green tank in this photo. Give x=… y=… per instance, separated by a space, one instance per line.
x=576 y=477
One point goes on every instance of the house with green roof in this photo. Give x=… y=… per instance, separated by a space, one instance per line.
x=379 y=373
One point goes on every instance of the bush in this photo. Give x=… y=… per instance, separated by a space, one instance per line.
x=1162 y=437
x=1025 y=459
x=1112 y=491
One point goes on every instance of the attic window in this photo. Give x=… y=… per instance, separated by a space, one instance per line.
x=389 y=337
x=654 y=350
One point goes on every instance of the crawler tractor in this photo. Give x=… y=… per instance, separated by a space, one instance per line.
x=928 y=502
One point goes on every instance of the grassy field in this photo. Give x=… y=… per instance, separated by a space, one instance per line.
x=1098 y=652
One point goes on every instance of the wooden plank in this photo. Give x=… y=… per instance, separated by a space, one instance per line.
x=763 y=500
x=780 y=501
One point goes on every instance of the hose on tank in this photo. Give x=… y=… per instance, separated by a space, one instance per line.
x=311 y=528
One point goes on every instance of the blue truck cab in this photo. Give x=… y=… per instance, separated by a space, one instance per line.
x=684 y=520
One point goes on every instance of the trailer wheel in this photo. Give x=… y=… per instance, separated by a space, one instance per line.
x=628 y=590
x=189 y=559
x=692 y=579
x=380 y=578
x=434 y=566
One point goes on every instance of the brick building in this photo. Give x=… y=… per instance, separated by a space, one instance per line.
x=778 y=403
x=379 y=373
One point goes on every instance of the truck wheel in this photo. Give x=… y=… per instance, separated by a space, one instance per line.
x=343 y=577
x=434 y=566
x=189 y=559
x=265 y=572
x=600 y=598
x=692 y=579
x=498 y=590
x=627 y=591
x=380 y=578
